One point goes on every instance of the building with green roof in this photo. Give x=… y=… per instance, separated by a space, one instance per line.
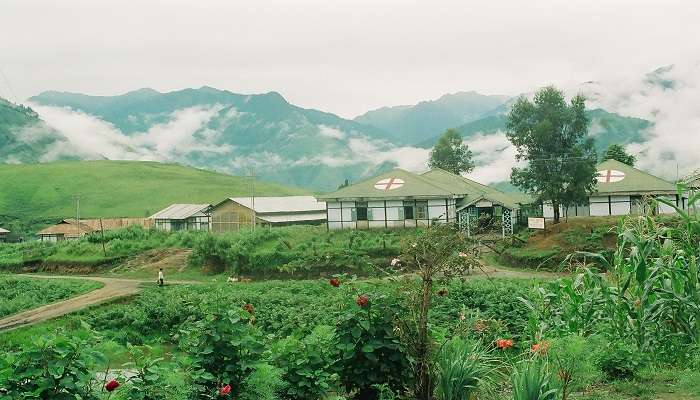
x=398 y=199
x=623 y=190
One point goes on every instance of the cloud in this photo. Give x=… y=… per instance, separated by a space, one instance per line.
x=494 y=157
x=330 y=132
x=668 y=97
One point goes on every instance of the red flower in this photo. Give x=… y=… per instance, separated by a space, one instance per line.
x=335 y=282
x=249 y=307
x=224 y=391
x=541 y=347
x=362 y=300
x=111 y=385
x=504 y=343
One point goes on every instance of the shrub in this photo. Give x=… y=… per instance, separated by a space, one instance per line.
x=307 y=364
x=571 y=356
x=619 y=359
x=53 y=367
x=264 y=383
x=370 y=351
x=224 y=347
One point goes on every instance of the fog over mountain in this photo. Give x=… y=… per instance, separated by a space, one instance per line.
x=653 y=115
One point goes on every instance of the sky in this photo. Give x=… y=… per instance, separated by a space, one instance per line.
x=346 y=57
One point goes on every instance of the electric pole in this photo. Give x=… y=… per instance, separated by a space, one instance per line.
x=252 y=196
x=77 y=212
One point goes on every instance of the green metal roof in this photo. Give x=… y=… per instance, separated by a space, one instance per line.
x=473 y=191
x=395 y=184
x=615 y=177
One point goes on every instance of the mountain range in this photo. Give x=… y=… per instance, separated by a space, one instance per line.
x=277 y=141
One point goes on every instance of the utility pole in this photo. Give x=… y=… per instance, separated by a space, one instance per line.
x=77 y=213
x=252 y=195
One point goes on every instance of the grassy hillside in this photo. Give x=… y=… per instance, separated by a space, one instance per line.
x=116 y=188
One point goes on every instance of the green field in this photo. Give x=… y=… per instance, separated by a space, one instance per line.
x=19 y=294
x=42 y=193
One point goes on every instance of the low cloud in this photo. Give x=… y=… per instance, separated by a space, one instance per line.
x=331 y=132
x=494 y=157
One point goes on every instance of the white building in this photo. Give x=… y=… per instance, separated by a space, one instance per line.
x=623 y=190
x=401 y=199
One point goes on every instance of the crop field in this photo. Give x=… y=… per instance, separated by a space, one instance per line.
x=19 y=294
x=624 y=325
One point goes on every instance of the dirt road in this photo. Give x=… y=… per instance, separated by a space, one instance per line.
x=113 y=288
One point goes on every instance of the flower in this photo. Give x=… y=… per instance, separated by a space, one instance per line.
x=111 y=385
x=442 y=292
x=224 y=391
x=462 y=317
x=249 y=307
x=362 y=300
x=541 y=347
x=480 y=326
x=463 y=254
x=335 y=282
x=504 y=343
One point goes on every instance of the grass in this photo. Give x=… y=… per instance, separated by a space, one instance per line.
x=20 y=293
x=112 y=189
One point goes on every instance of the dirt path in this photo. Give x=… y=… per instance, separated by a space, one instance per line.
x=113 y=288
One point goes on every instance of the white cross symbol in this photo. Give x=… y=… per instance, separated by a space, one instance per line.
x=610 y=176
x=389 y=184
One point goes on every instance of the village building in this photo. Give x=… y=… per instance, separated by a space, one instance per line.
x=623 y=190
x=3 y=235
x=401 y=199
x=179 y=217
x=69 y=229
x=238 y=213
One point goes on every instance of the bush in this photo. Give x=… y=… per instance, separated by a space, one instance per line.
x=370 y=351
x=532 y=381
x=619 y=359
x=224 y=348
x=464 y=370
x=307 y=364
x=264 y=383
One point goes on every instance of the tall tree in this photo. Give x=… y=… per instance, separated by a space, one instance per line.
x=617 y=152
x=552 y=136
x=451 y=154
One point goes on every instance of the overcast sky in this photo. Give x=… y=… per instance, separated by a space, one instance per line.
x=344 y=57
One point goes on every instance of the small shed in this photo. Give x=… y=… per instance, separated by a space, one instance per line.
x=67 y=229
x=237 y=213
x=3 y=235
x=177 y=217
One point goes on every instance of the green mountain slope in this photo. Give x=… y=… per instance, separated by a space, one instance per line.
x=116 y=188
x=282 y=142
x=416 y=123
x=607 y=128
x=23 y=136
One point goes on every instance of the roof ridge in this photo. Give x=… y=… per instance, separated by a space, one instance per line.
x=635 y=169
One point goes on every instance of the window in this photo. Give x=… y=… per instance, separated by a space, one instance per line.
x=408 y=208
x=361 y=207
x=421 y=210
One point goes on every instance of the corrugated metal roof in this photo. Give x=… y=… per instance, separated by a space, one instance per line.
x=396 y=183
x=617 y=177
x=180 y=211
x=471 y=190
x=282 y=204
x=280 y=218
x=4 y=231
x=67 y=227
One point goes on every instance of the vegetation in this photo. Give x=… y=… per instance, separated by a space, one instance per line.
x=451 y=153
x=617 y=152
x=19 y=294
x=136 y=189
x=553 y=138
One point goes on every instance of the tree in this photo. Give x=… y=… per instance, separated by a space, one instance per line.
x=552 y=136
x=451 y=154
x=617 y=152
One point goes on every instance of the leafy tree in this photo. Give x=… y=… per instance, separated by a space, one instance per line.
x=451 y=154
x=551 y=136
x=617 y=152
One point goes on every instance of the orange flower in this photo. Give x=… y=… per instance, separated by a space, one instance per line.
x=504 y=343
x=541 y=347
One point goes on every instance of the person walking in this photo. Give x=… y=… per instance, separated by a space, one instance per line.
x=160 y=277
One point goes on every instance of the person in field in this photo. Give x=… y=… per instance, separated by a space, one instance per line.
x=160 y=277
